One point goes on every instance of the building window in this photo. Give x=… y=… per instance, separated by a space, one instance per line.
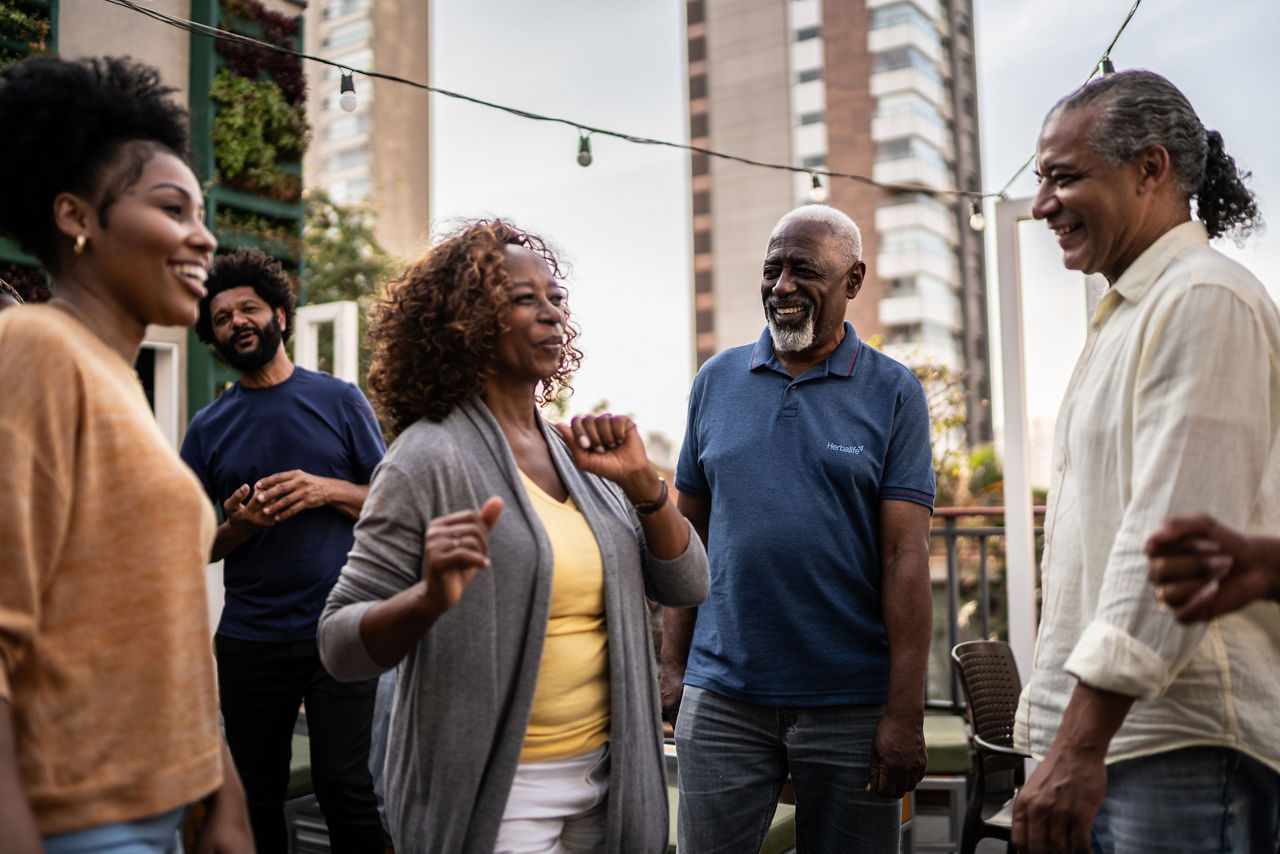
x=815 y=161
x=698 y=125
x=338 y=8
x=901 y=13
x=701 y=202
x=905 y=57
x=910 y=146
x=810 y=74
x=814 y=118
x=702 y=283
x=347 y=158
x=699 y=164
x=704 y=321
x=347 y=126
x=697 y=87
x=345 y=34
x=701 y=241
x=697 y=49
x=694 y=12
x=806 y=33
x=914 y=103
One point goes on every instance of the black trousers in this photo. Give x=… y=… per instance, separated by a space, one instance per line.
x=261 y=686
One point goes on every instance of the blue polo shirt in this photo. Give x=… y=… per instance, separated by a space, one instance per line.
x=277 y=581
x=795 y=470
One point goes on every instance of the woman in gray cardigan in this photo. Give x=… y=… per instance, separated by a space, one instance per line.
x=451 y=575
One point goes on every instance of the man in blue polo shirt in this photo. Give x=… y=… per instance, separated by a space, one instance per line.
x=288 y=454
x=806 y=468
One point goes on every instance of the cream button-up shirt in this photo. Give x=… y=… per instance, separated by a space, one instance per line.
x=1174 y=407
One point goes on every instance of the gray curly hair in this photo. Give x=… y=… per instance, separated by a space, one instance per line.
x=1139 y=109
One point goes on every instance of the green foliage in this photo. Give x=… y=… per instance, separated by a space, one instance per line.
x=277 y=236
x=255 y=130
x=344 y=260
x=25 y=28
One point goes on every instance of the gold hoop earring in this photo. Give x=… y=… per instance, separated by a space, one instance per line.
x=81 y=242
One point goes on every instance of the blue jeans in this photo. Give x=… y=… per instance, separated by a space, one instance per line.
x=155 y=835
x=1207 y=800
x=734 y=759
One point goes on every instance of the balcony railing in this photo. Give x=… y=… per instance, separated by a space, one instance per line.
x=967 y=565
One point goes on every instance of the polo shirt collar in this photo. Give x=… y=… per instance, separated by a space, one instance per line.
x=1134 y=282
x=840 y=363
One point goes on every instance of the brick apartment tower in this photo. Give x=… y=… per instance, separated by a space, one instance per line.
x=880 y=88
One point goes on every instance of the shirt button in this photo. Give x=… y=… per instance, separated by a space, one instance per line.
x=792 y=388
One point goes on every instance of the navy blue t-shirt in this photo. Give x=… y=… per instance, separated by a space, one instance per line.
x=277 y=580
x=795 y=470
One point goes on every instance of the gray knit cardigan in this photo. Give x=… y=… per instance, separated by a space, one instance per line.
x=465 y=690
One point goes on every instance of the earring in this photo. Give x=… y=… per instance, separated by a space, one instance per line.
x=81 y=242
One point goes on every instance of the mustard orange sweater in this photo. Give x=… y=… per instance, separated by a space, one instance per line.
x=105 y=657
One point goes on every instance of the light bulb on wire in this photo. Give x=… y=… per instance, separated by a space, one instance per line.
x=817 y=193
x=347 y=96
x=1106 y=67
x=584 y=150
x=977 y=219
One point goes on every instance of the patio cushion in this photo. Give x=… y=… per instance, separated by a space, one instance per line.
x=947 y=739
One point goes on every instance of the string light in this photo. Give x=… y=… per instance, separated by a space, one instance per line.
x=977 y=219
x=225 y=35
x=584 y=150
x=347 y=100
x=213 y=32
x=1105 y=67
x=817 y=193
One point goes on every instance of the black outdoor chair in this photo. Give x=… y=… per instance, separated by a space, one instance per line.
x=989 y=680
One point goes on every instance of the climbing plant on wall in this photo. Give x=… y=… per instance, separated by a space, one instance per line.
x=261 y=122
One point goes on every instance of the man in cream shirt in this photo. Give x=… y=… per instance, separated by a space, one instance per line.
x=1153 y=736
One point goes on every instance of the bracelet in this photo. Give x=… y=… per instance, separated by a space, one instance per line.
x=648 y=508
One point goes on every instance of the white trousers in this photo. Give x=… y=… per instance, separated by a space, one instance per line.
x=557 y=807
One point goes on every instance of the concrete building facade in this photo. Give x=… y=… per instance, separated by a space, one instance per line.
x=878 y=88
x=378 y=152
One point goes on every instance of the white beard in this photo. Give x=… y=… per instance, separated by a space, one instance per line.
x=789 y=340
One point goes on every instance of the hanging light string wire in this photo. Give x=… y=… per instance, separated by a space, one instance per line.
x=1106 y=57
x=208 y=31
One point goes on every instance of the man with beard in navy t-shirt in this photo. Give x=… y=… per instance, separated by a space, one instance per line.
x=287 y=453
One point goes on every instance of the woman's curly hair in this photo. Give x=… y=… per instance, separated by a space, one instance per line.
x=435 y=331
x=68 y=127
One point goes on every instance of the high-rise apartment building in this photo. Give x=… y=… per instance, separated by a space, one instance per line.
x=378 y=152
x=879 y=88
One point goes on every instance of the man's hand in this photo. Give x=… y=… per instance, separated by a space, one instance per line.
x=1055 y=810
x=898 y=757
x=671 y=690
x=1203 y=569
x=288 y=493
x=245 y=514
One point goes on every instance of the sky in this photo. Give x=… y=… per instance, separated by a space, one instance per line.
x=623 y=222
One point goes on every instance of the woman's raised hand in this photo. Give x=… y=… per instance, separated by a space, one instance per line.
x=456 y=547
x=610 y=446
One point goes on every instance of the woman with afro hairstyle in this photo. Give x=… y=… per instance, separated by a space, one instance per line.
x=502 y=564
x=108 y=709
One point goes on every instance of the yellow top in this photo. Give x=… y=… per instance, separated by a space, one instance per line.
x=570 y=713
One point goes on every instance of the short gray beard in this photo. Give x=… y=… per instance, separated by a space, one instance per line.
x=792 y=340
